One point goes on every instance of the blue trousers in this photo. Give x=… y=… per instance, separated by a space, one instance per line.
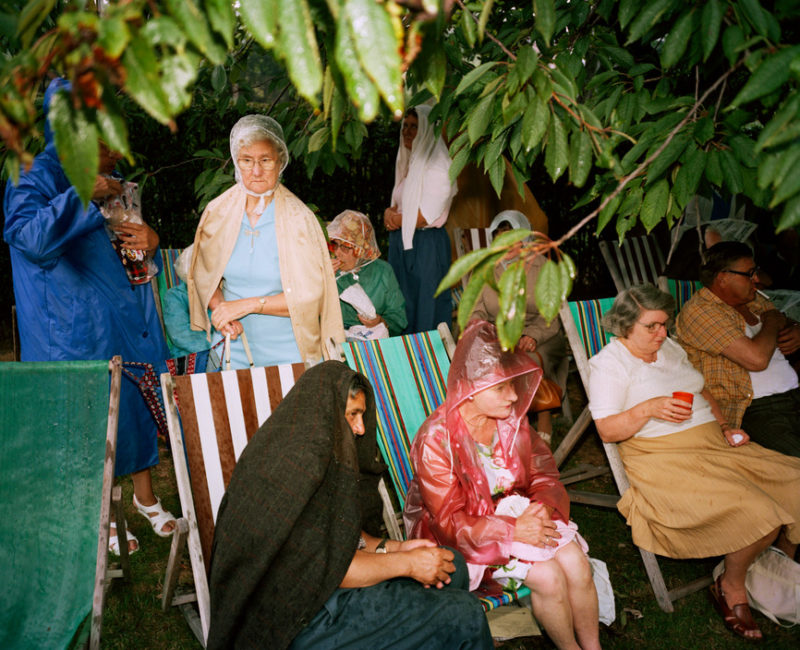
x=400 y=614
x=419 y=271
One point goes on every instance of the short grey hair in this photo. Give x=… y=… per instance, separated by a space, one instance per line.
x=356 y=388
x=629 y=305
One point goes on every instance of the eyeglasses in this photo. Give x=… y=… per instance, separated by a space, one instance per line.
x=652 y=328
x=267 y=164
x=343 y=245
x=748 y=274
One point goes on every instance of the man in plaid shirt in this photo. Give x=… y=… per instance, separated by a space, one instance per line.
x=737 y=339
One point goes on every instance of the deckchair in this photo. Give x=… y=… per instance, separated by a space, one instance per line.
x=57 y=452
x=587 y=337
x=409 y=376
x=165 y=280
x=219 y=413
x=635 y=260
x=682 y=290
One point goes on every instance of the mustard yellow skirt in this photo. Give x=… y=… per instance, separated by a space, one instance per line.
x=692 y=495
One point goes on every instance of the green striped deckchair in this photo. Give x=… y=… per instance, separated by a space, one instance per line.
x=586 y=336
x=164 y=281
x=682 y=290
x=409 y=377
x=57 y=452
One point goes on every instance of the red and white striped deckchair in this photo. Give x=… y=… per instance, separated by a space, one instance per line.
x=219 y=413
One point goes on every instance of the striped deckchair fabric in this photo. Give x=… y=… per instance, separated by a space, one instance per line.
x=219 y=413
x=587 y=315
x=408 y=374
x=682 y=290
x=168 y=278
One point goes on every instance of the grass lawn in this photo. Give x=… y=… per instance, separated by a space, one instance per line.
x=133 y=616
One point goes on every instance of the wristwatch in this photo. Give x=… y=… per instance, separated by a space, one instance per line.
x=261 y=301
x=381 y=547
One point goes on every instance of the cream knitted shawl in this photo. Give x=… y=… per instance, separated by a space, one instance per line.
x=306 y=271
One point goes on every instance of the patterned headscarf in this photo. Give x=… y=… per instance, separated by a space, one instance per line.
x=354 y=228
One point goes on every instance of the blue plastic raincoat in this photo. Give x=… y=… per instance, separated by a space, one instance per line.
x=74 y=300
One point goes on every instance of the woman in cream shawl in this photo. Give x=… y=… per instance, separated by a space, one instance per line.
x=419 y=247
x=261 y=264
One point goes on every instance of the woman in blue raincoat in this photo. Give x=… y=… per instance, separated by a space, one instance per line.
x=75 y=301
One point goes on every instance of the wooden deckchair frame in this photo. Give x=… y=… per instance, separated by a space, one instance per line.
x=635 y=260
x=665 y=597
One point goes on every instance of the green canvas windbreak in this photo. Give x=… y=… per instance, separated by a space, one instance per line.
x=53 y=419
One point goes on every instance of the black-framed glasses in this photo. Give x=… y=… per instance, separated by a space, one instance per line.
x=747 y=274
x=653 y=327
x=267 y=164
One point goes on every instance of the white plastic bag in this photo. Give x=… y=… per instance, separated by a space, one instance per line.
x=605 y=593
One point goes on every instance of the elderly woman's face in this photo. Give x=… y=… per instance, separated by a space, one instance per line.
x=496 y=401
x=649 y=331
x=346 y=254
x=410 y=125
x=260 y=166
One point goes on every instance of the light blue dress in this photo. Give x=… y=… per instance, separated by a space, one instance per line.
x=253 y=270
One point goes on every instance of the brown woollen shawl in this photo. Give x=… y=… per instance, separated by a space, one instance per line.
x=289 y=523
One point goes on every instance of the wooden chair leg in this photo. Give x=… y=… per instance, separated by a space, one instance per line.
x=179 y=538
x=657 y=581
x=122 y=533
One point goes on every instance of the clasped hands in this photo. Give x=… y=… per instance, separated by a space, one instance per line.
x=225 y=317
x=536 y=527
x=429 y=564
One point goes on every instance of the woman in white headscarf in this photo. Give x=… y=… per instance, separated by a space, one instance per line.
x=543 y=341
x=261 y=264
x=419 y=246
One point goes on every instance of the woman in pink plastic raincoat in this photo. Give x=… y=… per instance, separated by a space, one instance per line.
x=486 y=484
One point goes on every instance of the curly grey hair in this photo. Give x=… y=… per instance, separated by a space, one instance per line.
x=629 y=305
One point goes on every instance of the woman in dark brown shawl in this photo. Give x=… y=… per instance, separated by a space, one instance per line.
x=291 y=563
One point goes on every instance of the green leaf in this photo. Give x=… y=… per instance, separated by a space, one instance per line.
x=509 y=238
x=654 y=206
x=647 y=18
x=178 y=73
x=338 y=107
x=731 y=171
x=782 y=121
x=732 y=42
x=220 y=15
x=677 y=39
x=436 y=72
x=580 y=157
x=568 y=274
x=713 y=169
x=486 y=10
x=627 y=10
x=527 y=59
x=535 y=122
x=33 y=14
x=549 y=290
x=607 y=213
x=479 y=119
x=473 y=75
x=668 y=156
x=464 y=265
x=544 y=13
x=460 y=161
x=556 y=155
x=688 y=177
x=75 y=138
x=143 y=82
x=163 y=31
x=299 y=46
x=511 y=298
x=710 y=22
x=378 y=48
x=480 y=277
x=113 y=36
x=769 y=76
x=318 y=139
x=219 y=78
x=787 y=189
x=497 y=174
x=703 y=129
x=791 y=215
x=113 y=129
x=632 y=203
x=359 y=86
x=261 y=19
x=468 y=27
x=755 y=15
x=193 y=23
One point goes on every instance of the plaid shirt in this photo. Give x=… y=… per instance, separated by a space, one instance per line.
x=706 y=326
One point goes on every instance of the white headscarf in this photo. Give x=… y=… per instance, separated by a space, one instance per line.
x=514 y=218
x=257 y=128
x=426 y=171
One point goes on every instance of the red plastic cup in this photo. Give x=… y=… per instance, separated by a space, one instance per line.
x=684 y=397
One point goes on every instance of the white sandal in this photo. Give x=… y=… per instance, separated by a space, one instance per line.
x=113 y=540
x=157 y=516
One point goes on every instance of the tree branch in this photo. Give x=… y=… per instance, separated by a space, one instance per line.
x=643 y=166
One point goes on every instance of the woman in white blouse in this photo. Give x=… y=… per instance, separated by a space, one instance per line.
x=697 y=489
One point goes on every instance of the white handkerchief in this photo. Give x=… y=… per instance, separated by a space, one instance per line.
x=356 y=296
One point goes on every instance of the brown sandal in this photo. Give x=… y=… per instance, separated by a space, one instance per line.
x=739 y=618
